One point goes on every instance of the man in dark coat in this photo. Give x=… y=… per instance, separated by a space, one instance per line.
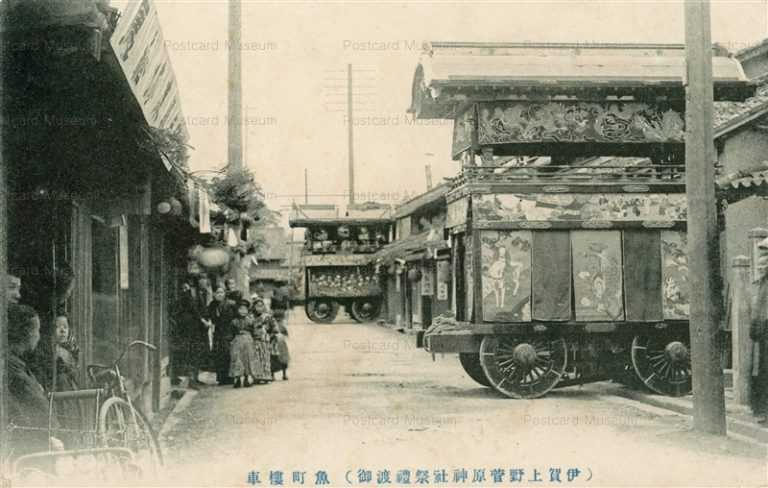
x=220 y=314
x=758 y=332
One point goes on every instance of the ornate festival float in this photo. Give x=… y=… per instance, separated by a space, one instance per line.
x=338 y=259
x=568 y=219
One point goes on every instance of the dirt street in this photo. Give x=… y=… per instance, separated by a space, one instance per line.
x=364 y=405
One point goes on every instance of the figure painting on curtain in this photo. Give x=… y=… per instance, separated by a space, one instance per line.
x=507 y=277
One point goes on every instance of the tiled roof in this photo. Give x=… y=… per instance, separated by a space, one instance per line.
x=730 y=115
x=743 y=185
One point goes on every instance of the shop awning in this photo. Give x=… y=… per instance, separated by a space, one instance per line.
x=424 y=244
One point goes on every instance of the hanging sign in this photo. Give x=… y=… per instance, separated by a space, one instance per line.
x=142 y=53
x=123 y=251
x=427 y=282
x=442 y=290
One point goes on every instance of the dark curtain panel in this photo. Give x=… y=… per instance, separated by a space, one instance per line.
x=552 y=275
x=642 y=274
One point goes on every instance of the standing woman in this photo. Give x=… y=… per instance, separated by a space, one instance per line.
x=261 y=341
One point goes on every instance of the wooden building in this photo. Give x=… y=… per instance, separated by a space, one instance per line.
x=416 y=263
x=85 y=97
x=272 y=256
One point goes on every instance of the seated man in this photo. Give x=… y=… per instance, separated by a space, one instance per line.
x=28 y=406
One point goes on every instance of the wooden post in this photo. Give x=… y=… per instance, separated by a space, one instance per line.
x=740 y=319
x=703 y=236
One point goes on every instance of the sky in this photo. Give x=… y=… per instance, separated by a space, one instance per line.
x=294 y=75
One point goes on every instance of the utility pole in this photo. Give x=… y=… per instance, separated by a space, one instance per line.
x=350 y=126
x=703 y=235
x=4 y=352
x=306 y=187
x=428 y=172
x=235 y=89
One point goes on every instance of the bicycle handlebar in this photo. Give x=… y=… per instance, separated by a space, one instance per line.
x=149 y=346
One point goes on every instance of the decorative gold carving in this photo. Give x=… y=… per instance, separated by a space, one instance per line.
x=615 y=122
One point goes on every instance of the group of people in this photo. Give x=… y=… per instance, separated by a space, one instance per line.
x=242 y=340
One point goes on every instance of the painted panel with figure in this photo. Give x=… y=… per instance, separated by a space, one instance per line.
x=506 y=257
x=580 y=207
x=597 y=275
x=676 y=296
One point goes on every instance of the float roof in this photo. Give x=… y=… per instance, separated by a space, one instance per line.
x=454 y=72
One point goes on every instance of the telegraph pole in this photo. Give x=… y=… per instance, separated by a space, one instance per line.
x=306 y=187
x=428 y=173
x=703 y=235
x=350 y=125
x=235 y=89
x=4 y=347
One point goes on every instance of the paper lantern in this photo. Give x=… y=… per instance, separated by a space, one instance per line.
x=213 y=257
x=163 y=208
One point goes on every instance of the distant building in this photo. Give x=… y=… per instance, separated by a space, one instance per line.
x=272 y=268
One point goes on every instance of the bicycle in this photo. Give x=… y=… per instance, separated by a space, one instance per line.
x=121 y=435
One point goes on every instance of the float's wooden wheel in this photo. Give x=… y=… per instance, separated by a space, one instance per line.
x=365 y=309
x=523 y=367
x=663 y=364
x=322 y=311
x=470 y=361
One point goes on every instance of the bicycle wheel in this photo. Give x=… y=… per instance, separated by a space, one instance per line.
x=122 y=425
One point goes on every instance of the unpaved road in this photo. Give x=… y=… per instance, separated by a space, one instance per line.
x=362 y=397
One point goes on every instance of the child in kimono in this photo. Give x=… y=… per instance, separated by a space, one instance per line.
x=68 y=412
x=280 y=356
x=262 y=347
x=242 y=357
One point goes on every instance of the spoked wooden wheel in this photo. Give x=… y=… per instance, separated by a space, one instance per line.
x=470 y=361
x=322 y=311
x=663 y=364
x=523 y=367
x=365 y=309
x=120 y=425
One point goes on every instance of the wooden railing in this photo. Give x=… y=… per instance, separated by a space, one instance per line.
x=666 y=173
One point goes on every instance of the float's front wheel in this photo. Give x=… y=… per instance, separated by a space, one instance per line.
x=523 y=367
x=470 y=361
x=365 y=309
x=322 y=311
